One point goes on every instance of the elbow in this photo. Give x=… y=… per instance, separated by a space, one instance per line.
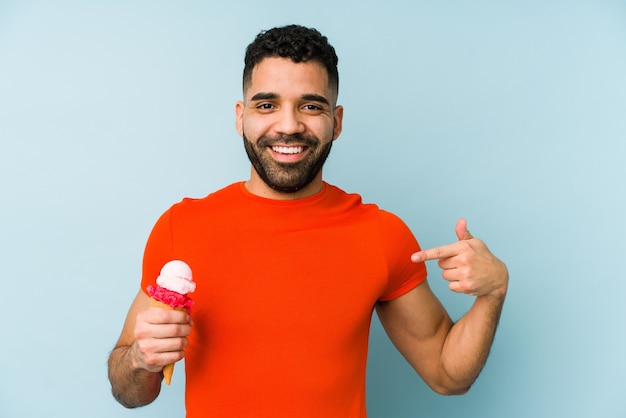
x=133 y=401
x=131 y=396
x=124 y=398
x=123 y=401
x=446 y=383
x=451 y=390
x=449 y=387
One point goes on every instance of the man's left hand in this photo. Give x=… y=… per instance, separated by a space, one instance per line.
x=468 y=265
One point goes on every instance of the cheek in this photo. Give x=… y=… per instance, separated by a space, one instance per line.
x=322 y=128
x=326 y=132
x=253 y=127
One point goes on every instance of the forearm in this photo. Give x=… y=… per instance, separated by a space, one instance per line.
x=468 y=342
x=131 y=386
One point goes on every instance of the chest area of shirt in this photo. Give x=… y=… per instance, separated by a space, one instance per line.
x=259 y=274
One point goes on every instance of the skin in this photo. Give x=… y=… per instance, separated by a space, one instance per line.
x=151 y=339
x=287 y=98
x=449 y=356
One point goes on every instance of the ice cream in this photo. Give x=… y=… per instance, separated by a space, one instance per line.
x=173 y=284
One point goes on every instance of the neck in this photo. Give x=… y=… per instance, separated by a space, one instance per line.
x=258 y=187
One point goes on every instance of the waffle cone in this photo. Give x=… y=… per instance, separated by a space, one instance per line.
x=168 y=370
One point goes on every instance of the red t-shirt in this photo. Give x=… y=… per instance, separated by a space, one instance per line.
x=284 y=298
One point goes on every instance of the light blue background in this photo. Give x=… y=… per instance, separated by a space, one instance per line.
x=511 y=114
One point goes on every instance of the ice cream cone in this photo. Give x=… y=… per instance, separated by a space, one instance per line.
x=168 y=370
x=173 y=285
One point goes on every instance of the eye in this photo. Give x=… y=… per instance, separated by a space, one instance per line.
x=310 y=107
x=265 y=106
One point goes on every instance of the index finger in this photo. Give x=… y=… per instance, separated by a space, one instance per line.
x=159 y=315
x=436 y=253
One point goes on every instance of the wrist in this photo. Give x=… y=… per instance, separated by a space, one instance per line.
x=499 y=293
x=135 y=360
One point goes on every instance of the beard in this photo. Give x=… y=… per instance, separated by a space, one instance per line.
x=287 y=177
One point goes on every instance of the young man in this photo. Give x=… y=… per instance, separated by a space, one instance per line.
x=289 y=269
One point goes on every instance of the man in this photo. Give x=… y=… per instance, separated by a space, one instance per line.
x=289 y=269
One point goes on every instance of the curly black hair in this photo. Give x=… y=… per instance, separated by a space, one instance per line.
x=296 y=42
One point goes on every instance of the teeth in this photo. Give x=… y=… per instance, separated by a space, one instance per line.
x=288 y=150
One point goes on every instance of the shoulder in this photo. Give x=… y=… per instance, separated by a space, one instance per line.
x=389 y=222
x=215 y=199
x=339 y=198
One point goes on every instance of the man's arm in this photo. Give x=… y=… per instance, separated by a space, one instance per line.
x=151 y=338
x=449 y=356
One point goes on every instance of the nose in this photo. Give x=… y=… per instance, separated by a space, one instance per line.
x=289 y=122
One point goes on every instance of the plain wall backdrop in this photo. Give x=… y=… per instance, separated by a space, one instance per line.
x=511 y=114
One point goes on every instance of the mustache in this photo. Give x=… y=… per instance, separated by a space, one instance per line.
x=307 y=140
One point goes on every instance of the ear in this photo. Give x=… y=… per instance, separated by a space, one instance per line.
x=239 y=108
x=338 y=120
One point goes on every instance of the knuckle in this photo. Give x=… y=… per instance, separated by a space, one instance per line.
x=178 y=330
x=465 y=275
x=143 y=349
x=150 y=359
x=161 y=315
x=140 y=333
x=182 y=344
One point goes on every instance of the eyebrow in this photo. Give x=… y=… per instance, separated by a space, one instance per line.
x=315 y=98
x=264 y=96
x=273 y=96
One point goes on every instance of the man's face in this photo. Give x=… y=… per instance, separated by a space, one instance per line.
x=288 y=121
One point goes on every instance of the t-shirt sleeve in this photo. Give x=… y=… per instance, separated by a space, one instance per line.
x=399 y=243
x=158 y=250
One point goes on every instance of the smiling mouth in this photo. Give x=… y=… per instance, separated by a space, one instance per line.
x=288 y=150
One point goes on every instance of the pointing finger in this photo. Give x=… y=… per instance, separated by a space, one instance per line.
x=436 y=253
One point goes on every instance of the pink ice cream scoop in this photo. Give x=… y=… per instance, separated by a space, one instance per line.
x=173 y=284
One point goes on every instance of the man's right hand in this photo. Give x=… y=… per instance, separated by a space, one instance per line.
x=160 y=338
